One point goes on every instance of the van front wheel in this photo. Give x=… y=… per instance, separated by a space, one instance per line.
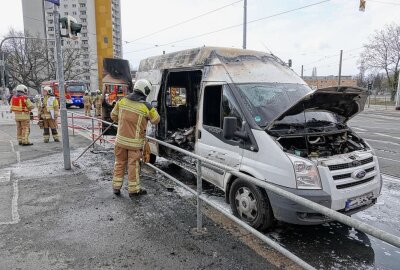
x=251 y=204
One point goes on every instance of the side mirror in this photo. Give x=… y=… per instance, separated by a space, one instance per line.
x=154 y=104
x=230 y=126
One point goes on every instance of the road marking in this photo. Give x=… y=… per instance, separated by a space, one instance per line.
x=385 y=135
x=6 y=177
x=360 y=129
x=387 y=142
x=389 y=178
x=16 y=152
x=394 y=160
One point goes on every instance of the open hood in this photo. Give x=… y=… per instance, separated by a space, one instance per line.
x=345 y=101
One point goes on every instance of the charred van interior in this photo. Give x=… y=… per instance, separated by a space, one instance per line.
x=178 y=108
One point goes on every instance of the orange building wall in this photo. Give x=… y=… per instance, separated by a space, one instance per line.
x=104 y=34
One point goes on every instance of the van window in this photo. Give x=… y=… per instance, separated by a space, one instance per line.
x=219 y=103
x=212 y=106
x=176 y=96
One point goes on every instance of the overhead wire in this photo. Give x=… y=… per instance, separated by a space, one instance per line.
x=183 y=22
x=229 y=27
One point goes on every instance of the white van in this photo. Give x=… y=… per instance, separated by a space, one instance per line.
x=248 y=110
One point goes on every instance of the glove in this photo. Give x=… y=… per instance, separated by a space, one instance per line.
x=146 y=152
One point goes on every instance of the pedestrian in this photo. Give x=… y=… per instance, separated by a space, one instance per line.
x=21 y=107
x=132 y=114
x=98 y=100
x=87 y=103
x=48 y=112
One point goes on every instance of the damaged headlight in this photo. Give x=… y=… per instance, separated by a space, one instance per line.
x=307 y=176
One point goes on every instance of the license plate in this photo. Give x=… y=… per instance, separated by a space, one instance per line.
x=359 y=201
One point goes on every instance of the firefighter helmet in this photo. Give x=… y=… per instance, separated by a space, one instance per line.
x=48 y=89
x=143 y=86
x=22 y=88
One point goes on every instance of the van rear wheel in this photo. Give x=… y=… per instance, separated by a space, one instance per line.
x=250 y=204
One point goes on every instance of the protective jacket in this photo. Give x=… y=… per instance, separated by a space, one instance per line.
x=21 y=107
x=87 y=100
x=132 y=114
x=98 y=100
x=49 y=108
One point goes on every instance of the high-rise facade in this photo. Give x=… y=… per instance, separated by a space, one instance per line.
x=101 y=28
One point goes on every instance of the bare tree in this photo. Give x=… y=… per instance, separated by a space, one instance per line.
x=382 y=53
x=27 y=60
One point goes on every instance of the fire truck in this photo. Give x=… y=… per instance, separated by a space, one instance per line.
x=115 y=83
x=74 y=91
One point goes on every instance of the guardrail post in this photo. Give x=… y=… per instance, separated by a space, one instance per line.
x=93 y=131
x=199 y=202
x=73 y=126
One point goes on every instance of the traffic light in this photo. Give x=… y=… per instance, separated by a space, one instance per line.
x=362 y=5
x=72 y=27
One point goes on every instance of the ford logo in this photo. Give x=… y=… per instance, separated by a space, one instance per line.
x=359 y=174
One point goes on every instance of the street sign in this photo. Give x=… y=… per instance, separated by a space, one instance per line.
x=56 y=2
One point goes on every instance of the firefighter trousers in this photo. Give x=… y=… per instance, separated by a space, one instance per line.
x=88 y=110
x=124 y=158
x=50 y=124
x=22 y=131
x=98 y=110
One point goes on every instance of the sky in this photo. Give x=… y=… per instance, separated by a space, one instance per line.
x=312 y=36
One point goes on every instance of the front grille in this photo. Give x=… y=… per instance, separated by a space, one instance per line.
x=348 y=175
x=341 y=176
x=369 y=169
x=355 y=183
x=352 y=164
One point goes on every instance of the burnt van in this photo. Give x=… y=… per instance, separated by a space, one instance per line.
x=248 y=110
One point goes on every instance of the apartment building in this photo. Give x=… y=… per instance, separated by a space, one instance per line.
x=101 y=34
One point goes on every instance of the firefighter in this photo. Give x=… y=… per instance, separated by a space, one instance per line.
x=97 y=102
x=21 y=107
x=87 y=103
x=48 y=113
x=132 y=114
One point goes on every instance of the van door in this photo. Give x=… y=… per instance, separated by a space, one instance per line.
x=217 y=102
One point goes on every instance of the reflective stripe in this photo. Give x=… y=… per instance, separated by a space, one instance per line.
x=138 y=126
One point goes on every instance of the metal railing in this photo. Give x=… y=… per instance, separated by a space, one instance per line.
x=334 y=215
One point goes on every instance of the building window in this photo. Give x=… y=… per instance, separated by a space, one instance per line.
x=50 y=14
x=82 y=4
x=50 y=21
x=51 y=28
x=65 y=6
x=105 y=40
x=76 y=42
x=74 y=5
x=83 y=20
x=83 y=12
x=66 y=13
x=74 y=13
x=84 y=42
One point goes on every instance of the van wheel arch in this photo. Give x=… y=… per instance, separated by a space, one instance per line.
x=265 y=217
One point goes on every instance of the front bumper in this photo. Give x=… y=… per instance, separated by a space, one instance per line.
x=288 y=211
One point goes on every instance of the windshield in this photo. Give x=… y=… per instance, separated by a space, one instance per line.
x=76 y=88
x=266 y=101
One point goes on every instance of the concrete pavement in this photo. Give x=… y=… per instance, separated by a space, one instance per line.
x=56 y=219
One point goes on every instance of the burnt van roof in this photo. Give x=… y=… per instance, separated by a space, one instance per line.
x=199 y=57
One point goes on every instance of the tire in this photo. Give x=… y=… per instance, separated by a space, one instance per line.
x=153 y=159
x=68 y=106
x=81 y=106
x=251 y=204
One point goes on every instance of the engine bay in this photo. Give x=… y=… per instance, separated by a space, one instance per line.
x=314 y=145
